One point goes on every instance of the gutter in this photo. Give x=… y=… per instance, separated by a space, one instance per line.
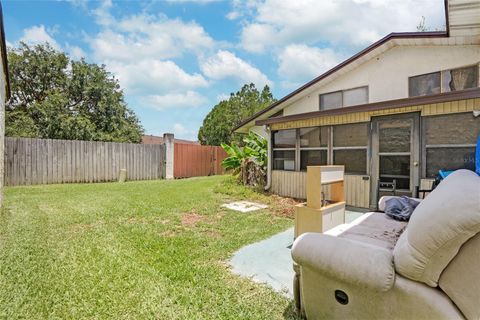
x=269 y=159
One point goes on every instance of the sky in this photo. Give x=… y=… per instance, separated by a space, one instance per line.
x=176 y=59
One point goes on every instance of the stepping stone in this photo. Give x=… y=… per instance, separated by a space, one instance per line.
x=244 y=206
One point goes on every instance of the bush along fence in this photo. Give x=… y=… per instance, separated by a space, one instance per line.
x=31 y=161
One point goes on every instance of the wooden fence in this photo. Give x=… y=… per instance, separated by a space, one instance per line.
x=43 y=161
x=191 y=160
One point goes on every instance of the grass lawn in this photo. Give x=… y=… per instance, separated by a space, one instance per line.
x=151 y=249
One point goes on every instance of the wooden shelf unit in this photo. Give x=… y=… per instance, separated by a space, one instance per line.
x=319 y=214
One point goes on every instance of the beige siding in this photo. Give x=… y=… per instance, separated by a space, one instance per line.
x=357 y=191
x=292 y=184
x=354 y=117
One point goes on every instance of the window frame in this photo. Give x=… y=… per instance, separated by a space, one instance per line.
x=343 y=97
x=300 y=148
x=366 y=148
x=425 y=147
x=476 y=66
x=330 y=148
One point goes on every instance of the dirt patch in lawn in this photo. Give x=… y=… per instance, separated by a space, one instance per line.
x=191 y=219
x=283 y=207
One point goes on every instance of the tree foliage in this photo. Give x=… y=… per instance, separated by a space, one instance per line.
x=218 y=124
x=58 y=98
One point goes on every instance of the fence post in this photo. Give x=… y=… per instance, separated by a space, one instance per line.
x=169 y=142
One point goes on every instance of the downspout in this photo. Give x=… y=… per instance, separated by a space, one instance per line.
x=269 y=158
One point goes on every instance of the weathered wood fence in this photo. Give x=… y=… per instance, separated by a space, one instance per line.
x=195 y=160
x=43 y=161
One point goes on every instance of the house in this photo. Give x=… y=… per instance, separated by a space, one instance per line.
x=394 y=113
x=4 y=97
x=151 y=139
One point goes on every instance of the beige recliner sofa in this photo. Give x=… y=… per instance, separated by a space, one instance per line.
x=379 y=268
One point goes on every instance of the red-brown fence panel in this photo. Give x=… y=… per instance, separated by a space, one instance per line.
x=191 y=160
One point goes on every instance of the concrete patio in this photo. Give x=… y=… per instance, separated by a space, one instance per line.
x=269 y=261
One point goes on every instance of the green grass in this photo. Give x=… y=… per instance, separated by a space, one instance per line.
x=148 y=250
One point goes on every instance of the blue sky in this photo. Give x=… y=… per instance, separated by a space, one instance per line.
x=176 y=59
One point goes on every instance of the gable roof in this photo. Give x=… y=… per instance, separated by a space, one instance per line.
x=382 y=42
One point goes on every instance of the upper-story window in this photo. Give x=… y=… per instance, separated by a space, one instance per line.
x=344 y=98
x=443 y=81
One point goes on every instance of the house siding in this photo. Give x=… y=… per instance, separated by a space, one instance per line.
x=386 y=75
x=355 y=117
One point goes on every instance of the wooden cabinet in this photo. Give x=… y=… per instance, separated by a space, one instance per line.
x=319 y=214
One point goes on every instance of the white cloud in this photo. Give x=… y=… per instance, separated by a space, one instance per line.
x=175 y=100
x=180 y=131
x=226 y=65
x=192 y=1
x=353 y=23
x=154 y=75
x=147 y=36
x=223 y=97
x=300 y=62
x=102 y=13
x=38 y=35
x=75 y=52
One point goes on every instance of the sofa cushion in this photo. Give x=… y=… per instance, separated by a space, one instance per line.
x=461 y=278
x=439 y=226
x=375 y=228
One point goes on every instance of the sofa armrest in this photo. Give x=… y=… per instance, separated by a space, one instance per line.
x=347 y=260
x=381 y=202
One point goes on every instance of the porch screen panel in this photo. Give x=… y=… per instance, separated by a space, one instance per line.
x=313 y=146
x=450 y=142
x=284 y=149
x=350 y=135
x=355 y=160
x=350 y=143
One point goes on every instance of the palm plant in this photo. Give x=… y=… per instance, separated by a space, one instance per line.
x=241 y=159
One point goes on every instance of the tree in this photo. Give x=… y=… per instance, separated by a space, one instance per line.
x=58 y=98
x=422 y=27
x=218 y=124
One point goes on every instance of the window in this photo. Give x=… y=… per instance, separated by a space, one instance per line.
x=284 y=160
x=350 y=147
x=308 y=146
x=459 y=79
x=344 y=98
x=284 y=139
x=284 y=149
x=355 y=96
x=450 y=142
x=443 y=81
x=331 y=100
x=424 y=84
x=313 y=146
x=314 y=137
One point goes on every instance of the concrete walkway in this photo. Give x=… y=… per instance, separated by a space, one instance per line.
x=269 y=261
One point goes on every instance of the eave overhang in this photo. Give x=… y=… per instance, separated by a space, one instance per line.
x=389 y=104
